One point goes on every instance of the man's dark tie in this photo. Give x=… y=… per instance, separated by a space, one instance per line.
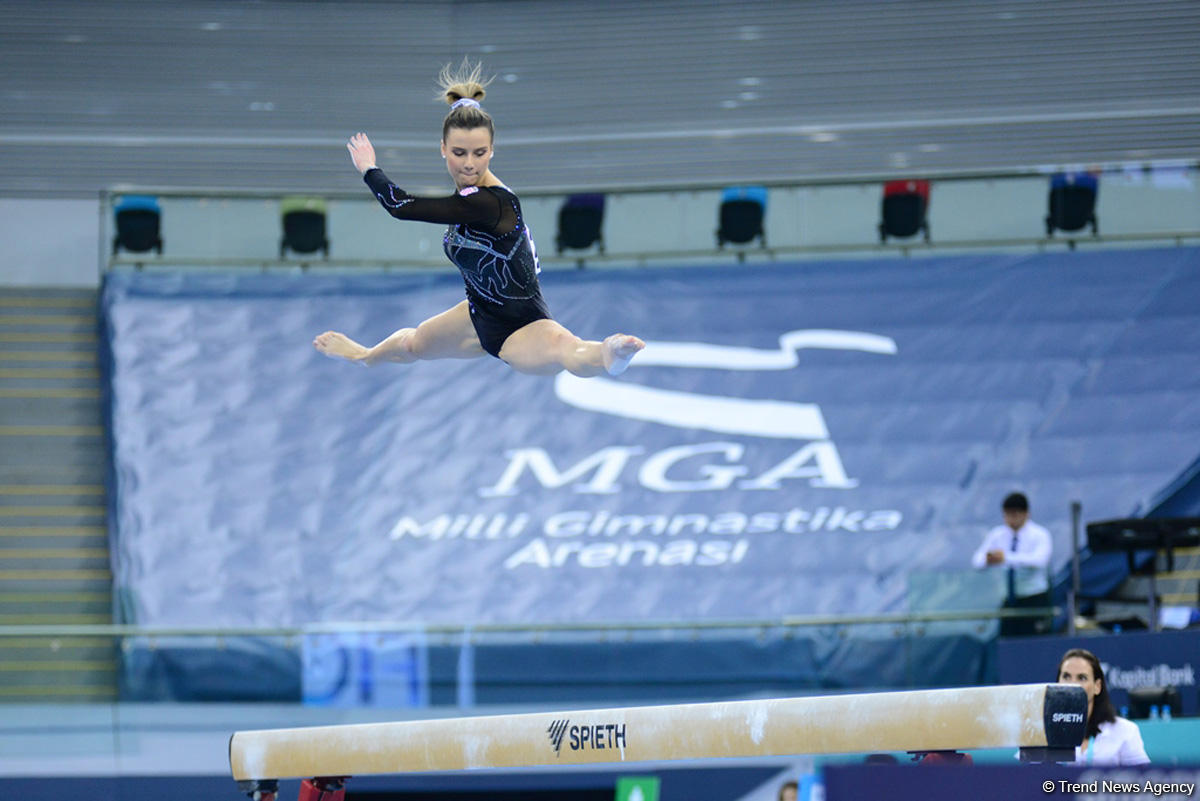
x=1012 y=573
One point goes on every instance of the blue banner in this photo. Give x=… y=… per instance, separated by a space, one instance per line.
x=360 y=669
x=1008 y=783
x=1130 y=660
x=795 y=439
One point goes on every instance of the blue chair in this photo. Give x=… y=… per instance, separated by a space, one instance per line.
x=1072 y=202
x=741 y=217
x=138 y=219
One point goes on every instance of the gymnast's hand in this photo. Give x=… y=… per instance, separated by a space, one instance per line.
x=361 y=152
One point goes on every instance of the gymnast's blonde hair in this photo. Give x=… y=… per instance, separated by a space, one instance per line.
x=464 y=82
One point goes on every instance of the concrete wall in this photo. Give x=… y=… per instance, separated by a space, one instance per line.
x=58 y=242
x=49 y=242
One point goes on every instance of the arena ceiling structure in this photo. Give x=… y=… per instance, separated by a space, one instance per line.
x=97 y=94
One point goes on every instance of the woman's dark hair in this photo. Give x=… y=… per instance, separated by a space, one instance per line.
x=1102 y=707
x=464 y=82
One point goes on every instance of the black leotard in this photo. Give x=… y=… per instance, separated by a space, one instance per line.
x=489 y=243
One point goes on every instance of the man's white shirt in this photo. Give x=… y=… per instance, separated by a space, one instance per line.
x=1030 y=560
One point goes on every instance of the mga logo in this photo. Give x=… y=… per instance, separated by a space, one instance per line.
x=817 y=461
x=556 y=731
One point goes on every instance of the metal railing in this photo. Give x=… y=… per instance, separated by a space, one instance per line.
x=410 y=643
x=536 y=632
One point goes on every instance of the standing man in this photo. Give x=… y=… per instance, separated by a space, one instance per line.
x=1023 y=548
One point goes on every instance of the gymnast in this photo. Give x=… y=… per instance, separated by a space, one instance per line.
x=504 y=313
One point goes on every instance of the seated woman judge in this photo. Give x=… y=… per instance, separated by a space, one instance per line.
x=1109 y=739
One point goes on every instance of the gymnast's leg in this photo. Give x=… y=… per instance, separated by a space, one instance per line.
x=448 y=335
x=544 y=347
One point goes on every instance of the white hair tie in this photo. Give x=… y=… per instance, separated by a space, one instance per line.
x=466 y=101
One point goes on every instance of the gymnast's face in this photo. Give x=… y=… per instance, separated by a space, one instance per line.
x=1078 y=670
x=468 y=152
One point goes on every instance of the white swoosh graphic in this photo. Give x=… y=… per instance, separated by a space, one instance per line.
x=758 y=418
x=725 y=357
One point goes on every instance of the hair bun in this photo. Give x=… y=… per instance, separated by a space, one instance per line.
x=464 y=81
x=464 y=91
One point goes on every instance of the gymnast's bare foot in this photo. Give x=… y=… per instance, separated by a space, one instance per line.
x=619 y=349
x=340 y=346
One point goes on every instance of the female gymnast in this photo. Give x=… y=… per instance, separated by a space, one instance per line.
x=487 y=240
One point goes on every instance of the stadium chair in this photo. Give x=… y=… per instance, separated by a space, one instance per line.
x=580 y=219
x=905 y=210
x=303 y=226
x=1072 y=202
x=741 y=216
x=138 y=220
x=1144 y=700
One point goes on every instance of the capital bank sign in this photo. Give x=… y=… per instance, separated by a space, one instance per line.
x=817 y=461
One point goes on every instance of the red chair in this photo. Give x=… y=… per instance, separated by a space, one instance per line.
x=905 y=209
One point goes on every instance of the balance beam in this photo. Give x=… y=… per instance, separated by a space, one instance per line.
x=1027 y=716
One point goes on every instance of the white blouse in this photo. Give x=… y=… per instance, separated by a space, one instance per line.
x=1118 y=743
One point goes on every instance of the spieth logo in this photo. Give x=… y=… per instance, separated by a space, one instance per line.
x=588 y=737
x=556 y=731
x=818 y=461
x=1067 y=717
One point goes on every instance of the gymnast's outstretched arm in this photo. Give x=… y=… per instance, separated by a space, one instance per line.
x=466 y=207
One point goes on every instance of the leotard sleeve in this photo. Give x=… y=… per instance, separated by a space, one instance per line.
x=469 y=206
